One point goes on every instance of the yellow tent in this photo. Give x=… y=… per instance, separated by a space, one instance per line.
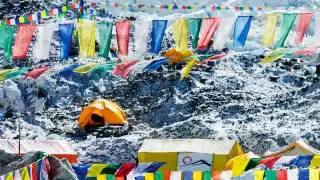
x=168 y=150
x=102 y=112
x=299 y=147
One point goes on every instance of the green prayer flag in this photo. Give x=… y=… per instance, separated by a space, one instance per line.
x=16 y=73
x=6 y=39
x=111 y=177
x=287 y=21
x=105 y=35
x=158 y=176
x=206 y=175
x=194 y=26
x=253 y=163
x=102 y=69
x=110 y=169
x=271 y=175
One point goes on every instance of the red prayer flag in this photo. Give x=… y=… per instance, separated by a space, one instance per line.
x=209 y=27
x=119 y=178
x=216 y=175
x=166 y=175
x=282 y=175
x=269 y=162
x=34 y=171
x=122 y=69
x=307 y=51
x=214 y=58
x=125 y=169
x=122 y=33
x=23 y=40
x=8 y=22
x=36 y=72
x=30 y=17
x=303 y=24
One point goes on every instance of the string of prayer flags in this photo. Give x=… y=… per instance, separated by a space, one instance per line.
x=22 y=41
x=241 y=30
x=180 y=34
x=158 y=30
x=302 y=161
x=157 y=64
x=187 y=69
x=269 y=162
x=269 y=30
x=209 y=27
x=307 y=51
x=194 y=26
x=6 y=40
x=66 y=33
x=105 y=36
x=87 y=39
x=102 y=69
x=122 y=33
x=187 y=175
x=142 y=29
x=303 y=25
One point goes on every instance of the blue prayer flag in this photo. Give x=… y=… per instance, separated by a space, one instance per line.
x=241 y=30
x=302 y=161
x=303 y=174
x=158 y=30
x=67 y=71
x=65 y=33
x=187 y=175
x=157 y=64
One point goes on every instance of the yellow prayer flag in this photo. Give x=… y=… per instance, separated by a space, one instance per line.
x=9 y=176
x=274 y=55
x=239 y=166
x=21 y=19
x=148 y=5
x=180 y=34
x=102 y=177
x=258 y=175
x=222 y=7
x=149 y=176
x=64 y=8
x=85 y=68
x=246 y=8
x=125 y=5
x=170 y=7
x=193 y=7
x=315 y=162
x=43 y=14
x=269 y=30
x=25 y=173
x=197 y=175
x=87 y=39
x=3 y=73
x=95 y=170
x=186 y=70
x=313 y=174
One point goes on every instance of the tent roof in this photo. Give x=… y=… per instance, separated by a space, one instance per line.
x=306 y=149
x=48 y=146
x=188 y=145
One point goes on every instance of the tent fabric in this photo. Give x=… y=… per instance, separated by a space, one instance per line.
x=223 y=32
x=58 y=148
x=269 y=30
x=35 y=73
x=287 y=21
x=209 y=27
x=65 y=33
x=167 y=150
x=180 y=34
x=302 y=27
x=6 y=40
x=241 y=30
x=108 y=110
x=194 y=26
x=44 y=39
x=158 y=30
x=123 y=35
x=105 y=36
x=87 y=39
x=141 y=35
x=22 y=41
x=123 y=68
x=177 y=55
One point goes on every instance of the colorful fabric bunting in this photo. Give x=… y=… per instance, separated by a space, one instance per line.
x=226 y=175
x=283 y=161
x=315 y=162
x=187 y=69
x=22 y=41
x=153 y=167
x=81 y=170
x=293 y=174
x=166 y=175
x=302 y=161
x=6 y=40
x=25 y=173
x=216 y=175
x=207 y=175
x=271 y=175
x=197 y=175
x=314 y=174
x=149 y=176
x=95 y=170
x=105 y=35
x=122 y=69
x=287 y=21
x=180 y=34
x=241 y=30
x=65 y=32
x=141 y=65
x=16 y=175
x=187 y=175
x=35 y=73
x=269 y=30
x=141 y=35
x=307 y=51
x=303 y=25
x=194 y=26
x=209 y=27
x=158 y=30
x=130 y=176
x=85 y=68
x=102 y=69
x=124 y=170
x=253 y=163
x=9 y=176
x=4 y=72
x=53 y=70
x=43 y=43
x=68 y=71
x=282 y=175
x=43 y=170
x=87 y=39
x=223 y=32
x=122 y=33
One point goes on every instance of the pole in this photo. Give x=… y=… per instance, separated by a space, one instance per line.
x=19 y=137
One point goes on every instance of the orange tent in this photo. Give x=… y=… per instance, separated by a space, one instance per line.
x=177 y=55
x=102 y=112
